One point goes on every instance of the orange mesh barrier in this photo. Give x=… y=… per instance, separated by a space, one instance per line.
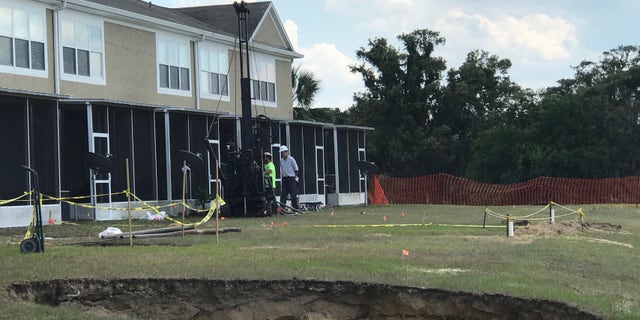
x=376 y=194
x=447 y=189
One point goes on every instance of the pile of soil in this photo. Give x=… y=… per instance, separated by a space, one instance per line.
x=566 y=227
x=281 y=300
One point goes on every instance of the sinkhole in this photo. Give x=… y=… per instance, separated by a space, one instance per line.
x=281 y=300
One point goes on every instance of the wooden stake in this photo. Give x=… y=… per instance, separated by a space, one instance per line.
x=184 y=191
x=129 y=202
x=484 y=220
x=217 y=202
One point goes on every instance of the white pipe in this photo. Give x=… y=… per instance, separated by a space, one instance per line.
x=56 y=46
x=196 y=66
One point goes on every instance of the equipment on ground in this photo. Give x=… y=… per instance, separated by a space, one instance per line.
x=35 y=243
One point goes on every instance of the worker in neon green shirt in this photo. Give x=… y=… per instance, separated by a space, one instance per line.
x=270 y=183
x=269 y=171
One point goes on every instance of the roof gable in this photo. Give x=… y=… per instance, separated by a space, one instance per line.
x=271 y=32
x=263 y=22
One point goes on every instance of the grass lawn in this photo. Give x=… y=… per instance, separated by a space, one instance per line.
x=413 y=245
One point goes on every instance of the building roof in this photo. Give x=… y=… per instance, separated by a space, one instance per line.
x=147 y=8
x=219 y=19
x=224 y=19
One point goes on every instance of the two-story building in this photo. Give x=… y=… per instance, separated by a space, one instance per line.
x=147 y=85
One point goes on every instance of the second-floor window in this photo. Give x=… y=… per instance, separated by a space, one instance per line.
x=264 y=90
x=82 y=48
x=174 y=73
x=22 y=38
x=213 y=71
x=263 y=78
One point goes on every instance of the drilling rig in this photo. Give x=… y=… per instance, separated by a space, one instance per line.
x=243 y=180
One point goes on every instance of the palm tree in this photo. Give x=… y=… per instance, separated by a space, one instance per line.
x=305 y=87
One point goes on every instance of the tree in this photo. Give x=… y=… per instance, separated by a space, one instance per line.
x=305 y=87
x=589 y=73
x=474 y=100
x=401 y=92
x=587 y=127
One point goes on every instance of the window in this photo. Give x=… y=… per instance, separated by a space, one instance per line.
x=263 y=82
x=82 y=48
x=213 y=72
x=22 y=39
x=174 y=74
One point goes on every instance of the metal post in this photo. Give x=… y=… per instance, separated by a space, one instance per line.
x=129 y=203
x=510 y=231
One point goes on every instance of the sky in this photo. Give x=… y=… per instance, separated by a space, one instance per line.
x=543 y=39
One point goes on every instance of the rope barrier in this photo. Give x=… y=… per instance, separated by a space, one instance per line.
x=214 y=205
x=528 y=217
x=512 y=219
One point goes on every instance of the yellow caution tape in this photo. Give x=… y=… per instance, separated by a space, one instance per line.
x=3 y=202
x=371 y=225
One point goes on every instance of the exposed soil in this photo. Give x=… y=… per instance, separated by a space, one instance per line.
x=566 y=227
x=281 y=300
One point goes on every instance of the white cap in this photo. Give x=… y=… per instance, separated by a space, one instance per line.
x=267 y=154
x=283 y=148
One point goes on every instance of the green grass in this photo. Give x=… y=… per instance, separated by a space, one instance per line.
x=597 y=271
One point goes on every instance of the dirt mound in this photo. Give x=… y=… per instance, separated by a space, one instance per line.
x=566 y=227
x=281 y=300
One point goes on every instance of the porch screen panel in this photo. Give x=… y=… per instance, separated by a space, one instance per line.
x=13 y=178
x=74 y=149
x=143 y=159
x=343 y=161
x=296 y=149
x=100 y=118
x=320 y=170
x=120 y=146
x=330 y=167
x=283 y=133
x=310 y=172
x=354 y=173
x=179 y=138
x=265 y=134
x=44 y=145
x=228 y=139
x=161 y=150
x=198 y=131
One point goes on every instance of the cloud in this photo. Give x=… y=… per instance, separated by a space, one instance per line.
x=291 y=28
x=533 y=36
x=332 y=67
x=326 y=61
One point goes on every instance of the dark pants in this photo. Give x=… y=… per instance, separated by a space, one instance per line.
x=270 y=194
x=289 y=187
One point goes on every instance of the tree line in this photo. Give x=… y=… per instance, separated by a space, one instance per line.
x=475 y=122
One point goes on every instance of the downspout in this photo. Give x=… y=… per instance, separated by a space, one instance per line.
x=335 y=158
x=196 y=73
x=56 y=46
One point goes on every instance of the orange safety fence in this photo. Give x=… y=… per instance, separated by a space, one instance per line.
x=447 y=189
